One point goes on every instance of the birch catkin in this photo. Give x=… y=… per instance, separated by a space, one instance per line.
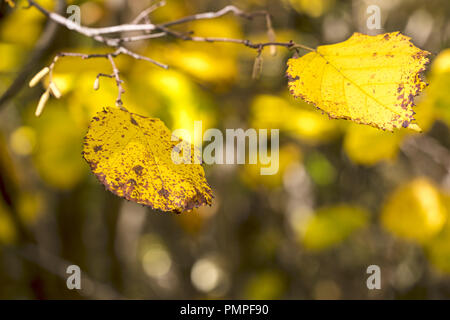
x=38 y=77
x=42 y=101
x=55 y=91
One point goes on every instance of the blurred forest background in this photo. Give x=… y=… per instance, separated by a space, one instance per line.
x=346 y=196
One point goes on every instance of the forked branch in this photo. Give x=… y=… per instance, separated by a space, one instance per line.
x=116 y=36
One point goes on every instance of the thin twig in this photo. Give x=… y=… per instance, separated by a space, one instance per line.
x=213 y=15
x=119 y=102
x=140 y=37
x=140 y=57
x=144 y=14
x=109 y=56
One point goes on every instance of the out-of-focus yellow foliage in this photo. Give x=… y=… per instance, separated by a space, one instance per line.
x=438 y=248
x=83 y=101
x=8 y=173
x=7 y=228
x=216 y=63
x=11 y=3
x=29 y=23
x=442 y=62
x=183 y=100
x=320 y=169
x=133 y=157
x=436 y=95
x=11 y=57
x=289 y=154
x=93 y=11
x=171 y=10
x=438 y=251
x=265 y=285
x=195 y=221
x=274 y=112
x=7 y=165
x=29 y=206
x=64 y=81
x=367 y=79
x=23 y=140
x=58 y=147
x=367 y=146
x=313 y=8
x=203 y=65
x=415 y=211
x=329 y=226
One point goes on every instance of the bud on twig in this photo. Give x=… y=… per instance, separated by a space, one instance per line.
x=257 y=66
x=42 y=101
x=271 y=37
x=54 y=90
x=38 y=77
x=96 y=84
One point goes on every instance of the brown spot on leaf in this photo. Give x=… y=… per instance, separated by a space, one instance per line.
x=138 y=170
x=163 y=193
x=291 y=78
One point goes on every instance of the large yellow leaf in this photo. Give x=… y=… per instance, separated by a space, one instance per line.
x=132 y=156
x=368 y=79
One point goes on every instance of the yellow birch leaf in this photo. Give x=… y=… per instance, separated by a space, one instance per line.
x=367 y=79
x=132 y=156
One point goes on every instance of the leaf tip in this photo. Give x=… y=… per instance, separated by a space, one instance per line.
x=415 y=127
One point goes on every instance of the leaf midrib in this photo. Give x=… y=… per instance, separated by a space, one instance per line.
x=357 y=86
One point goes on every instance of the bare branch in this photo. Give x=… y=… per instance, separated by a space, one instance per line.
x=119 y=102
x=99 y=34
x=140 y=57
x=95 y=33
